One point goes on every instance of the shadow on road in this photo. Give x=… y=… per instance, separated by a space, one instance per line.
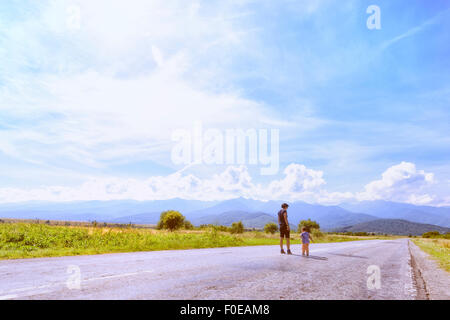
x=311 y=257
x=349 y=255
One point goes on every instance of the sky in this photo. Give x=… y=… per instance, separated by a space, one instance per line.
x=92 y=92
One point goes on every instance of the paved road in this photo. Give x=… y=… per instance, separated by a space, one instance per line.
x=333 y=271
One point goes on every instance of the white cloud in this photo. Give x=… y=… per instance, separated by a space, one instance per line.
x=117 y=87
x=298 y=182
x=401 y=183
x=157 y=56
x=231 y=183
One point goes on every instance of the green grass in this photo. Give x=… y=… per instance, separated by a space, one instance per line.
x=439 y=249
x=27 y=240
x=260 y=238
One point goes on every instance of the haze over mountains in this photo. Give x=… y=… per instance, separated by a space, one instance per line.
x=253 y=213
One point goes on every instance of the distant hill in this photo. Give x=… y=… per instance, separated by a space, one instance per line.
x=393 y=226
x=141 y=218
x=108 y=211
x=327 y=216
x=250 y=220
x=392 y=210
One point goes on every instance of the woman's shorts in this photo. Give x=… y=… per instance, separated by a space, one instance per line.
x=285 y=232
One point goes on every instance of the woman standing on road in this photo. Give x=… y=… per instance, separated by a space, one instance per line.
x=284 y=228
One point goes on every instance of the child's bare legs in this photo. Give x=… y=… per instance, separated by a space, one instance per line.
x=305 y=249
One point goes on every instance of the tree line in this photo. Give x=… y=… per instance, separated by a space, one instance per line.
x=173 y=220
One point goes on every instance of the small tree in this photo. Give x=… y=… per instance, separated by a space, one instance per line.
x=270 y=228
x=431 y=234
x=237 y=227
x=160 y=225
x=171 y=220
x=188 y=225
x=308 y=224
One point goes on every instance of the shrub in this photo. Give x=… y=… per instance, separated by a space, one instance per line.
x=237 y=227
x=188 y=225
x=223 y=228
x=216 y=227
x=316 y=233
x=431 y=234
x=270 y=228
x=171 y=220
x=308 y=224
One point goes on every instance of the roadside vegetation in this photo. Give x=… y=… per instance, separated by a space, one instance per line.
x=37 y=240
x=27 y=240
x=437 y=246
x=270 y=228
x=173 y=220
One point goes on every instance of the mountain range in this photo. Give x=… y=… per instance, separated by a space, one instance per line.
x=393 y=210
x=253 y=213
x=393 y=226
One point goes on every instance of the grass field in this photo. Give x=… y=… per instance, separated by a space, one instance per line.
x=27 y=240
x=439 y=249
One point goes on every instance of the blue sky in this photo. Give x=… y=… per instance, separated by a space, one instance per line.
x=91 y=91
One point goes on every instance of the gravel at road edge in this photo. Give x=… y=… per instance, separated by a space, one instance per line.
x=431 y=281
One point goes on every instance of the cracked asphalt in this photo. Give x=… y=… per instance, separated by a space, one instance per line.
x=333 y=271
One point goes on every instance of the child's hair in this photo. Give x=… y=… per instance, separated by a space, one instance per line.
x=305 y=229
x=284 y=205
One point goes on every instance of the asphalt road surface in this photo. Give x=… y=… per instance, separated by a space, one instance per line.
x=333 y=271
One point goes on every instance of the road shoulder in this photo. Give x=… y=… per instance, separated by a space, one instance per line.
x=432 y=282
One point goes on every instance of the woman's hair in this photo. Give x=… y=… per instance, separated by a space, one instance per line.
x=284 y=205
